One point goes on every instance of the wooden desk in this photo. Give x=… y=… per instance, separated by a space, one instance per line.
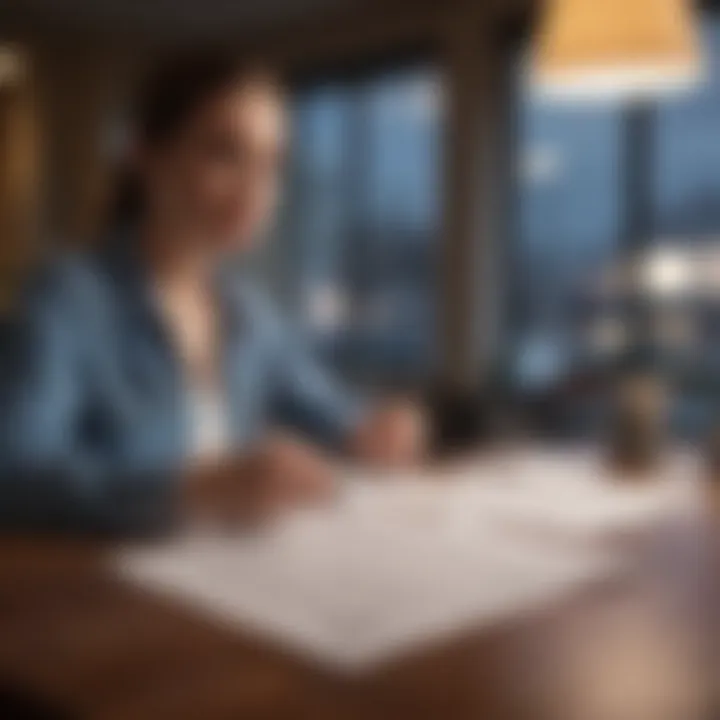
x=83 y=644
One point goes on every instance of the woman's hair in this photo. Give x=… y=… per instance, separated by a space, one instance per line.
x=168 y=99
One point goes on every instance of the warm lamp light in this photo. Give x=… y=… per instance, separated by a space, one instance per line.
x=11 y=65
x=605 y=49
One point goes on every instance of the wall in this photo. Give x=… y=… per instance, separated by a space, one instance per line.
x=19 y=180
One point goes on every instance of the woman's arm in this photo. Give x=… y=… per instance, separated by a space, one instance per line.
x=50 y=481
x=316 y=403
x=47 y=479
x=394 y=434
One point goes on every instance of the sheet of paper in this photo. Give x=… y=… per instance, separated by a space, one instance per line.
x=404 y=560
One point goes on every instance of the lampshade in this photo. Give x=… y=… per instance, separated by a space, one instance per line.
x=600 y=49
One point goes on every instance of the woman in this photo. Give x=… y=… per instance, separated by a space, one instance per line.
x=146 y=381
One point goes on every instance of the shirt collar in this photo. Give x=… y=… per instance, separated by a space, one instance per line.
x=121 y=259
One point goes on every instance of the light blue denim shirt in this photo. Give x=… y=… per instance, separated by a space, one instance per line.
x=93 y=417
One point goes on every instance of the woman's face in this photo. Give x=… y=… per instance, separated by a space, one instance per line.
x=218 y=177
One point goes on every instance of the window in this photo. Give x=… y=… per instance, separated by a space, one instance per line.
x=687 y=141
x=686 y=199
x=570 y=225
x=585 y=177
x=359 y=232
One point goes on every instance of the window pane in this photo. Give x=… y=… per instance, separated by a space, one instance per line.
x=687 y=218
x=688 y=152
x=361 y=218
x=570 y=218
x=315 y=218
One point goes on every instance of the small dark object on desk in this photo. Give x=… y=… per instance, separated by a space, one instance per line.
x=638 y=432
x=464 y=421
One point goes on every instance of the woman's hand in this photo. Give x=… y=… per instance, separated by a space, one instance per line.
x=395 y=435
x=279 y=474
x=285 y=472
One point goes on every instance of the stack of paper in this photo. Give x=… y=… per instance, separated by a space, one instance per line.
x=400 y=561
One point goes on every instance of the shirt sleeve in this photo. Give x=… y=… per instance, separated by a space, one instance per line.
x=307 y=395
x=48 y=480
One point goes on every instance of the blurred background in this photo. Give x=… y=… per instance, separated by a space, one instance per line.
x=499 y=206
x=445 y=231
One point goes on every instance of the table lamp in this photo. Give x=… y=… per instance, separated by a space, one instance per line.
x=610 y=49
